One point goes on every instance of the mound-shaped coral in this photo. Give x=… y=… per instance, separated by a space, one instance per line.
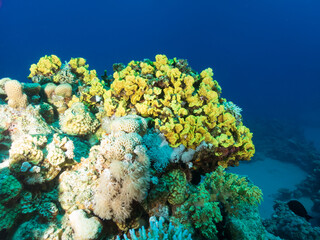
x=78 y=120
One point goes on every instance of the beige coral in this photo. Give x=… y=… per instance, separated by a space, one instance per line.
x=130 y=124
x=64 y=90
x=25 y=149
x=125 y=176
x=49 y=89
x=78 y=120
x=35 y=161
x=16 y=98
x=84 y=228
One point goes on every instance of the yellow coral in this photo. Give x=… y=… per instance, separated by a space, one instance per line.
x=160 y=60
x=187 y=106
x=78 y=66
x=47 y=66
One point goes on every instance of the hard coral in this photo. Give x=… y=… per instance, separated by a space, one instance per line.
x=36 y=165
x=78 y=120
x=84 y=227
x=17 y=99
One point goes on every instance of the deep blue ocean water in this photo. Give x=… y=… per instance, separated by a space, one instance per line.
x=265 y=54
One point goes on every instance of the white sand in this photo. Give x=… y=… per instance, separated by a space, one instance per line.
x=271 y=175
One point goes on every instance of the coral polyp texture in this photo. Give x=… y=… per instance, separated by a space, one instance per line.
x=139 y=154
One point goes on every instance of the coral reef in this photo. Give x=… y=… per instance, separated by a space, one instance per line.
x=284 y=141
x=186 y=107
x=309 y=187
x=144 y=148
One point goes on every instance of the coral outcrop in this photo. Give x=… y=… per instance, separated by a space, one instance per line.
x=144 y=148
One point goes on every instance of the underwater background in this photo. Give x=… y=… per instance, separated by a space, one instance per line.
x=264 y=54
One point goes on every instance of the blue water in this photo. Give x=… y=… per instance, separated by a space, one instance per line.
x=265 y=54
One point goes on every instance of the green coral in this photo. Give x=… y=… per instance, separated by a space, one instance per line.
x=177 y=186
x=10 y=187
x=202 y=209
x=172 y=187
x=8 y=216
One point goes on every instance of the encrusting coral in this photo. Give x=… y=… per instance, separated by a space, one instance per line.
x=35 y=161
x=91 y=158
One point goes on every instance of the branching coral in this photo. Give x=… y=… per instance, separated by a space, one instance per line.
x=159 y=230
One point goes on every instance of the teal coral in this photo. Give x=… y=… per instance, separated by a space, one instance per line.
x=158 y=231
x=10 y=187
